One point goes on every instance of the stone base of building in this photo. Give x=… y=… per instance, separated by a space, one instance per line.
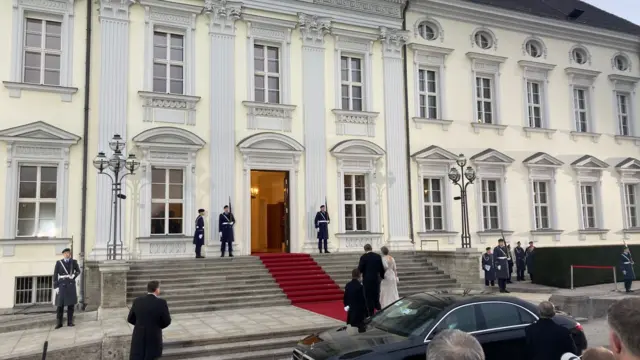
x=462 y=265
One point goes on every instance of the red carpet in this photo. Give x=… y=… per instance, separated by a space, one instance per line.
x=305 y=283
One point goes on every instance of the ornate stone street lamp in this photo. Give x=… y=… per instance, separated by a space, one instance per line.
x=458 y=179
x=119 y=168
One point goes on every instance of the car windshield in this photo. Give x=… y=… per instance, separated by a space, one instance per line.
x=406 y=317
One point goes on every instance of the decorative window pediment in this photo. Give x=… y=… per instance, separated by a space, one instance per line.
x=629 y=170
x=491 y=157
x=357 y=149
x=266 y=142
x=589 y=162
x=434 y=154
x=542 y=159
x=169 y=137
x=581 y=77
x=39 y=132
x=624 y=82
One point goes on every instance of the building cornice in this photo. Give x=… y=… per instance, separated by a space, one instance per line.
x=428 y=49
x=486 y=57
x=590 y=74
x=536 y=65
x=526 y=23
x=171 y=6
x=624 y=78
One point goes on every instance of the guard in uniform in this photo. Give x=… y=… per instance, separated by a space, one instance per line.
x=322 y=226
x=520 y=265
x=528 y=259
x=501 y=263
x=626 y=263
x=198 y=235
x=64 y=284
x=510 y=261
x=225 y=224
x=487 y=267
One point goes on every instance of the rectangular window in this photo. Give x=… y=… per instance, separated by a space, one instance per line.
x=352 y=83
x=484 y=99
x=541 y=204
x=588 y=204
x=433 y=204
x=490 y=205
x=581 y=111
x=42 y=52
x=38 y=188
x=355 y=203
x=631 y=203
x=167 y=201
x=168 y=63
x=534 y=104
x=428 y=93
x=623 y=114
x=31 y=290
x=266 y=63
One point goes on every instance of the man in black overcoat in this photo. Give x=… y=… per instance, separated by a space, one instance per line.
x=354 y=302
x=64 y=284
x=149 y=315
x=487 y=267
x=519 y=252
x=322 y=226
x=501 y=264
x=198 y=235
x=546 y=340
x=225 y=224
x=530 y=254
x=372 y=271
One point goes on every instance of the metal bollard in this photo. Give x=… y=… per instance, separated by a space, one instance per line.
x=571 y=277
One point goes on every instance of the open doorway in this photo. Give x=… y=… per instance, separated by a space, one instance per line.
x=269 y=211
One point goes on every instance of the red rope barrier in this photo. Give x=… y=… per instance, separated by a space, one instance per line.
x=591 y=267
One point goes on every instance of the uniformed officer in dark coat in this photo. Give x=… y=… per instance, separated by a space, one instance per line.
x=626 y=263
x=501 y=263
x=487 y=267
x=528 y=259
x=510 y=262
x=198 y=235
x=64 y=285
x=520 y=265
x=225 y=224
x=322 y=226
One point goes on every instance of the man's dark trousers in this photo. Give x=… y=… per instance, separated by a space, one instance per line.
x=502 y=284
x=627 y=285
x=198 y=250
x=222 y=247
x=520 y=271
x=60 y=313
x=320 y=242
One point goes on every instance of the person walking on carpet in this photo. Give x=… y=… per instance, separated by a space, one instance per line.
x=354 y=303
x=389 y=285
x=372 y=271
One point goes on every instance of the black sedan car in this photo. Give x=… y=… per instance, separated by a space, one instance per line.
x=403 y=330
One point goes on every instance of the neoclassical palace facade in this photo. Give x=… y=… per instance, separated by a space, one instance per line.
x=277 y=107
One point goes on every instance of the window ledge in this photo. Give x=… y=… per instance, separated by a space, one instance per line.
x=493 y=233
x=9 y=245
x=16 y=88
x=547 y=232
x=168 y=237
x=267 y=116
x=499 y=129
x=548 y=132
x=437 y=234
x=355 y=241
x=169 y=108
x=622 y=138
x=595 y=137
x=602 y=232
x=359 y=123
x=162 y=246
x=633 y=230
x=425 y=121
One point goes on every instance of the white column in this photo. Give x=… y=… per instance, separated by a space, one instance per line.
x=313 y=30
x=395 y=134
x=222 y=148
x=112 y=109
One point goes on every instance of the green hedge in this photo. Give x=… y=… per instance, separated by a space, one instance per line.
x=552 y=265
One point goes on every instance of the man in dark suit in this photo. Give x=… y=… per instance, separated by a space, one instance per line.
x=149 y=315
x=198 y=235
x=354 y=302
x=372 y=271
x=546 y=340
x=64 y=284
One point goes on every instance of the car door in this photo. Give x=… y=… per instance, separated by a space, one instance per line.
x=502 y=330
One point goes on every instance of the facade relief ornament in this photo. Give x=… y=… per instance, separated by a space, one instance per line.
x=393 y=40
x=115 y=9
x=313 y=29
x=223 y=15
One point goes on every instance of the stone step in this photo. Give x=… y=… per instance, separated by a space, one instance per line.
x=413 y=289
x=214 y=288
x=349 y=267
x=197 y=270
x=234 y=348
x=197 y=281
x=277 y=353
x=405 y=278
x=202 y=275
x=201 y=294
x=223 y=300
x=189 y=286
x=236 y=304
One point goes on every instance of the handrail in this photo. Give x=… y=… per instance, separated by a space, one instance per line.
x=615 y=281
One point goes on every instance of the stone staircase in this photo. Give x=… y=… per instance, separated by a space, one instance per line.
x=272 y=346
x=415 y=272
x=197 y=285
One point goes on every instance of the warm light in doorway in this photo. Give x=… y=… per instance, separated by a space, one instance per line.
x=254 y=192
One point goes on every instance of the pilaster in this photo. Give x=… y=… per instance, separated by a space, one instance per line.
x=312 y=31
x=112 y=106
x=222 y=18
x=395 y=138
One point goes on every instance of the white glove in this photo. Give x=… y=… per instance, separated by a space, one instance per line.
x=317 y=229
x=487 y=267
x=624 y=272
x=220 y=233
x=200 y=236
x=231 y=223
x=499 y=267
x=56 y=291
x=346 y=308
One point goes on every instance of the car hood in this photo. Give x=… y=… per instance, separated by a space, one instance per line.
x=347 y=343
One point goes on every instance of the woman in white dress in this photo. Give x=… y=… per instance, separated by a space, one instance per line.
x=389 y=285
